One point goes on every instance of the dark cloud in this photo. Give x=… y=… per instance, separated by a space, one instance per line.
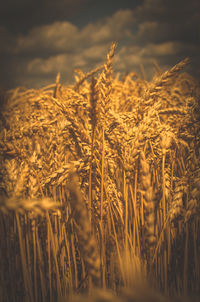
x=172 y=19
x=47 y=39
x=22 y=15
x=173 y=23
x=165 y=31
x=167 y=11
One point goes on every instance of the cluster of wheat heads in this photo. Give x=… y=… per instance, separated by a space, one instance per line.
x=100 y=185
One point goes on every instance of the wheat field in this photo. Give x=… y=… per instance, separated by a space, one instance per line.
x=100 y=188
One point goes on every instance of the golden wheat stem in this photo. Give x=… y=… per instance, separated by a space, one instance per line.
x=126 y=213
x=27 y=281
x=185 y=272
x=168 y=244
x=117 y=246
x=158 y=245
x=163 y=186
x=34 y=261
x=90 y=189
x=42 y=278
x=142 y=210
x=49 y=261
x=143 y=71
x=102 y=256
x=196 y=255
x=102 y=174
x=136 y=215
x=54 y=253
x=69 y=262
x=165 y=270
x=57 y=86
x=74 y=261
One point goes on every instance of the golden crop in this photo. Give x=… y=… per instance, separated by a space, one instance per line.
x=100 y=187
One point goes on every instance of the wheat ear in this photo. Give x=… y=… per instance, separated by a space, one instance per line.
x=149 y=203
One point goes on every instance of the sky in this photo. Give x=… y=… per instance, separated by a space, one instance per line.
x=39 y=38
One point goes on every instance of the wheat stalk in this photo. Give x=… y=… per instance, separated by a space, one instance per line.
x=87 y=242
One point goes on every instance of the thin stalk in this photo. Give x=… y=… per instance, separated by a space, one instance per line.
x=26 y=275
x=163 y=186
x=28 y=255
x=74 y=260
x=102 y=175
x=35 y=261
x=165 y=270
x=41 y=265
x=133 y=197
x=196 y=258
x=117 y=246
x=49 y=262
x=185 y=260
x=102 y=256
x=160 y=239
x=90 y=185
x=54 y=253
x=126 y=213
x=70 y=278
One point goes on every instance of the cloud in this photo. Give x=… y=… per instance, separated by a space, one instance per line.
x=131 y=57
x=63 y=36
x=162 y=10
x=160 y=20
x=151 y=10
x=66 y=63
x=96 y=33
x=19 y=16
x=47 y=66
x=163 y=49
x=94 y=53
x=155 y=30
x=59 y=63
x=116 y=27
x=46 y=39
x=62 y=47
